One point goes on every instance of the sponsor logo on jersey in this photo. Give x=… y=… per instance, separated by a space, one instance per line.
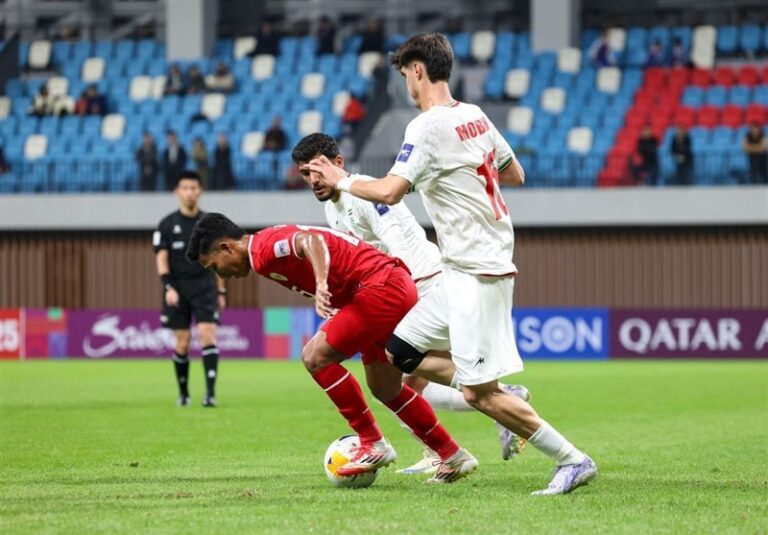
x=405 y=152
x=177 y=229
x=282 y=248
x=278 y=277
x=177 y=245
x=381 y=208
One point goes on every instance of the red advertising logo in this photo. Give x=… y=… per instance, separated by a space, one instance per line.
x=11 y=334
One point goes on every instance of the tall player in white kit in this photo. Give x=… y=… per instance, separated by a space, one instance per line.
x=394 y=230
x=456 y=158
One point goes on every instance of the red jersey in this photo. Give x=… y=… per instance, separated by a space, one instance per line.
x=352 y=262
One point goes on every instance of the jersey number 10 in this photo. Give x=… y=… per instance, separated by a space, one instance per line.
x=491 y=174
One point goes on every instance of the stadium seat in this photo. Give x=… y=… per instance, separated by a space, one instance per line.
x=213 y=105
x=340 y=101
x=482 y=46
x=703 y=52
x=727 y=39
x=35 y=147
x=708 y=116
x=140 y=88
x=716 y=96
x=367 y=62
x=263 y=67
x=701 y=77
x=39 y=54
x=617 y=39
x=609 y=79
x=93 y=70
x=740 y=95
x=158 y=87
x=748 y=75
x=553 y=100
x=58 y=86
x=310 y=122
x=243 y=46
x=520 y=120
x=750 y=38
x=252 y=144
x=724 y=76
x=5 y=107
x=517 y=83
x=112 y=126
x=732 y=116
x=569 y=60
x=312 y=85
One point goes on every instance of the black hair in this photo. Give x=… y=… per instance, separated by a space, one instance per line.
x=211 y=228
x=314 y=145
x=432 y=49
x=189 y=174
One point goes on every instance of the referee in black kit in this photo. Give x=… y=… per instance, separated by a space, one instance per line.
x=188 y=289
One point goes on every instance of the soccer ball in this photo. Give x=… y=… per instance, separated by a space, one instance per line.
x=338 y=454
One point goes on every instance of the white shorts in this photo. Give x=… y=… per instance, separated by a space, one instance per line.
x=470 y=315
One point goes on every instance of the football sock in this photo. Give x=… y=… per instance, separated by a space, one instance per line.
x=181 y=363
x=416 y=413
x=345 y=392
x=548 y=441
x=210 y=365
x=443 y=397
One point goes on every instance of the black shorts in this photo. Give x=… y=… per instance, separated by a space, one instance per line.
x=196 y=296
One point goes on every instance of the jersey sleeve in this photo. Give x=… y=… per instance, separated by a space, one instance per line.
x=504 y=153
x=415 y=161
x=160 y=239
x=383 y=222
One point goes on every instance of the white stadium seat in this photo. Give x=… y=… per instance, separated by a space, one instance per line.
x=609 y=79
x=263 y=67
x=553 y=99
x=35 y=146
x=243 y=46
x=517 y=83
x=617 y=39
x=113 y=126
x=93 y=70
x=569 y=60
x=5 y=107
x=340 y=101
x=158 y=87
x=703 y=47
x=310 y=122
x=252 y=144
x=367 y=62
x=39 y=54
x=312 y=85
x=580 y=139
x=520 y=120
x=58 y=86
x=482 y=46
x=213 y=105
x=141 y=88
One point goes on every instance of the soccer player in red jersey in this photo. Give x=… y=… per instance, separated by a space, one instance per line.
x=363 y=293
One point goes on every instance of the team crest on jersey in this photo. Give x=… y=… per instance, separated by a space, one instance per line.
x=405 y=152
x=278 y=277
x=177 y=229
x=282 y=248
x=381 y=208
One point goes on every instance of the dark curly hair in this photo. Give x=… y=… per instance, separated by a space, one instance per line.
x=314 y=145
x=432 y=49
x=211 y=228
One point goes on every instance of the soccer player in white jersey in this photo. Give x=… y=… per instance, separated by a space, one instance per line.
x=456 y=158
x=394 y=230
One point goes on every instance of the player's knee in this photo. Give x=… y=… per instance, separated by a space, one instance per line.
x=403 y=355
x=312 y=359
x=477 y=399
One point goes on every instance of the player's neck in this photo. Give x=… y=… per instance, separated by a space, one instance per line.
x=189 y=212
x=436 y=95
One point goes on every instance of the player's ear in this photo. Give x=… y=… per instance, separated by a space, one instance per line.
x=339 y=161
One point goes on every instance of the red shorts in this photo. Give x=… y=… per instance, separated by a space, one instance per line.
x=365 y=323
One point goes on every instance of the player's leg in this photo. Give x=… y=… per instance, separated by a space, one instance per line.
x=205 y=305
x=178 y=319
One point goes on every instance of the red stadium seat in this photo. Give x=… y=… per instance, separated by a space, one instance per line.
x=684 y=116
x=756 y=113
x=732 y=116
x=701 y=77
x=748 y=75
x=724 y=76
x=679 y=76
x=765 y=74
x=655 y=77
x=709 y=116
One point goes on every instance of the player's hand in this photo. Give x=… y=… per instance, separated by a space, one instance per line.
x=172 y=297
x=222 y=302
x=330 y=174
x=323 y=301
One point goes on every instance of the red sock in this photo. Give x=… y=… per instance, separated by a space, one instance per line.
x=345 y=392
x=417 y=413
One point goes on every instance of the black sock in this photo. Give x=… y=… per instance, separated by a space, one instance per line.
x=210 y=364
x=181 y=363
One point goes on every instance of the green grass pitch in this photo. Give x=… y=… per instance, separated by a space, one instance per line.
x=100 y=447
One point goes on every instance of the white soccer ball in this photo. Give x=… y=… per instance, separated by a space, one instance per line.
x=338 y=454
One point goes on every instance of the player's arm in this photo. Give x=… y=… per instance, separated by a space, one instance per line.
x=162 y=263
x=312 y=246
x=221 y=290
x=388 y=190
x=512 y=174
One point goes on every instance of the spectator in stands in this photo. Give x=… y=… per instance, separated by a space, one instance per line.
x=195 y=81
x=95 y=103
x=200 y=157
x=373 y=37
x=655 y=55
x=221 y=81
x=326 y=36
x=266 y=41
x=275 y=138
x=600 y=52
x=147 y=158
x=175 y=84
x=756 y=147
x=353 y=115
x=4 y=167
x=680 y=56
x=647 y=148
x=42 y=104
x=174 y=161
x=681 y=150
x=223 y=177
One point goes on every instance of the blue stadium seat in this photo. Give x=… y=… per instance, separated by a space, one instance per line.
x=716 y=96
x=352 y=44
x=61 y=52
x=761 y=95
x=693 y=96
x=661 y=34
x=460 y=43
x=224 y=47
x=751 y=38
x=727 y=39
x=684 y=34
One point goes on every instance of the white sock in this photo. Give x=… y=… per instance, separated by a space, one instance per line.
x=445 y=398
x=548 y=441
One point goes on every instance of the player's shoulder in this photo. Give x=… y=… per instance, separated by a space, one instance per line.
x=169 y=219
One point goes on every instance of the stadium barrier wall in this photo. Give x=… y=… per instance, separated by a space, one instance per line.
x=281 y=332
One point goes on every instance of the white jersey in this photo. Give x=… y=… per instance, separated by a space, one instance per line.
x=391 y=229
x=452 y=155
